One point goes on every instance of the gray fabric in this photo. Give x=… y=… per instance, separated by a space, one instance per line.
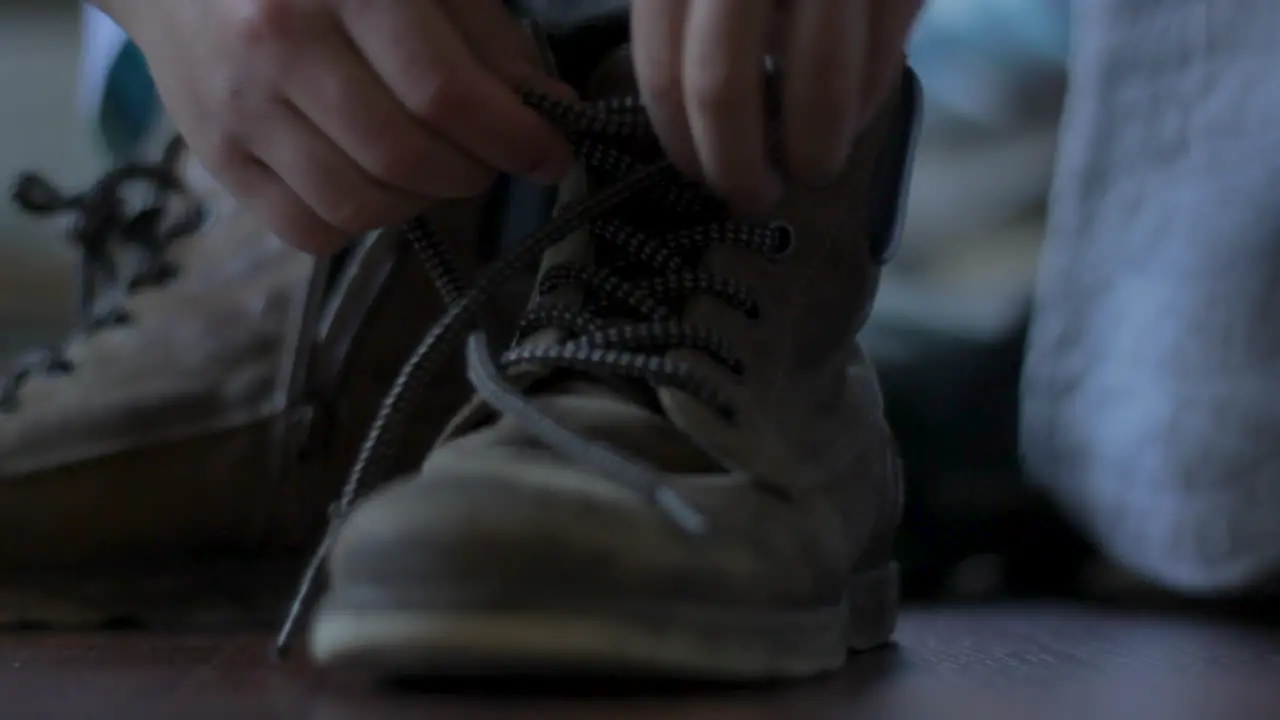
x=1152 y=389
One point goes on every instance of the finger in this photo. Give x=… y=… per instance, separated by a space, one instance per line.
x=326 y=178
x=724 y=43
x=824 y=60
x=272 y=200
x=504 y=47
x=347 y=101
x=891 y=22
x=657 y=38
x=418 y=52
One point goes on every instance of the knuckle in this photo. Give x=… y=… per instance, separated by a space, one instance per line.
x=429 y=172
x=223 y=157
x=392 y=164
x=221 y=150
x=441 y=102
x=264 y=24
x=458 y=179
x=332 y=93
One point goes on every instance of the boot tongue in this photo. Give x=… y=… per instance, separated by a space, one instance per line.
x=613 y=78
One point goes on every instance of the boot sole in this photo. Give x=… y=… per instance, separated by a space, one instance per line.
x=656 y=641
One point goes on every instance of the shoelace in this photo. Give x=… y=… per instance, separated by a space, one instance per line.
x=634 y=293
x=103 y=227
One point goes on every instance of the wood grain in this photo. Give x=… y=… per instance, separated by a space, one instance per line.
x=983 y=663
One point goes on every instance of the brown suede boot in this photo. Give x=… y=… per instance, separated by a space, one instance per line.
x=680 y=466
x=181 y=450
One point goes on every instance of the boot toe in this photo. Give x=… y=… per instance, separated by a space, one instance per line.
x=508 y=525
x=514 y=559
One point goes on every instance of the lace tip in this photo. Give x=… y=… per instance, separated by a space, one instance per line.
x=301 y=600
x=288 y=631
x=681 y=513
x=280 y=648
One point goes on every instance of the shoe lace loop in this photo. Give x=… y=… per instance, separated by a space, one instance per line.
x=103 y=229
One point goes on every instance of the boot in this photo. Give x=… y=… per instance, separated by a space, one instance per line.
x=681 y=464
x=152 y=469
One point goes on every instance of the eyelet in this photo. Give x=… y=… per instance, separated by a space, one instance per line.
x=783 y=241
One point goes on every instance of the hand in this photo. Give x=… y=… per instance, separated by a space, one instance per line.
x=700 y=67
x=331 y=118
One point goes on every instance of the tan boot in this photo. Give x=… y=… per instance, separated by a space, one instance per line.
x=682 y=466
x=152 y=470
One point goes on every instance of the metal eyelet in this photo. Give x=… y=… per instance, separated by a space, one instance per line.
x=782 y=241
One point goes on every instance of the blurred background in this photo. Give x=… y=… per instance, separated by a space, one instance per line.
x=948 y=329
x=39 y=128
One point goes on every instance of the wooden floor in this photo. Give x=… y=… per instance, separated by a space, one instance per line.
x=981 y=663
